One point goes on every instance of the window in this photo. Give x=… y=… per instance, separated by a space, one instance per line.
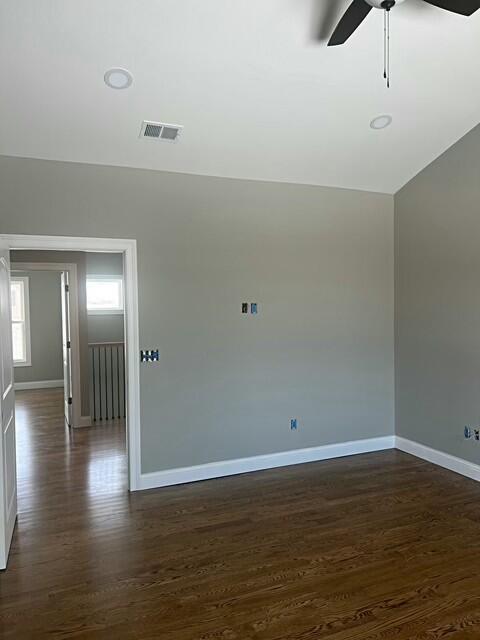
x=104 y=294
x=20 y=321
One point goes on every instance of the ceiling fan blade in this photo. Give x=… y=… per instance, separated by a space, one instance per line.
x=463 y=7
x=350 y=21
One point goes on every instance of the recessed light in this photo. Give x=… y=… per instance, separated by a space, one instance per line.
x=118 y=78
x=381 y=122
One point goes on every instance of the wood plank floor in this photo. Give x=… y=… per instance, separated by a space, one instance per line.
x=378 y=546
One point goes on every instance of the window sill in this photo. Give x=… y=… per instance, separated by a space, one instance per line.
x=105 y=312
x=22 y=364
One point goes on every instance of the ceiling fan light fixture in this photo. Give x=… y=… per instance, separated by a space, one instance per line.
x=381 y=4
x=381 y=122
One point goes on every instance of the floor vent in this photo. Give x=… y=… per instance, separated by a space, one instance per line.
x=160 y=131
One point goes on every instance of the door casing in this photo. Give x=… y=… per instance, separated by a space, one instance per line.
x=128 y=247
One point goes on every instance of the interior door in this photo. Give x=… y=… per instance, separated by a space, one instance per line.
x=67 y=348
x=8 y=475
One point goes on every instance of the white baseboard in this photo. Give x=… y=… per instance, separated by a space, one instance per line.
x=440 y=458
x=257 y=463
x=85 y=421
x=39 y=384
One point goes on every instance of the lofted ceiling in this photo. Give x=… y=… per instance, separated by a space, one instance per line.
x=258 y=96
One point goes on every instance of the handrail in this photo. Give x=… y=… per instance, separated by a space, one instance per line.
x=104 y=344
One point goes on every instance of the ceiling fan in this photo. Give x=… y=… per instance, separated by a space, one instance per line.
x=359 y=10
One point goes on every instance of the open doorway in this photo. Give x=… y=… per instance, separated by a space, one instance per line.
x=48 y=318
x=68 y=330
x=73 y=324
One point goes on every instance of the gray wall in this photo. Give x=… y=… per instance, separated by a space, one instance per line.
x=319 y=262
x=70 y=257
x=437 y=225
x=105 y=327
x=45 y=328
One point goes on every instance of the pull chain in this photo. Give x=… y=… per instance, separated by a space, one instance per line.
x=388 y=49
x=386 y=46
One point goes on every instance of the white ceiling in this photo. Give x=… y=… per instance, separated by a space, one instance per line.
x=258 y=97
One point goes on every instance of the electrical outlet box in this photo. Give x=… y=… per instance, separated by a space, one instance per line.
x=477 y=434
x=293 y=424
x=244 y=307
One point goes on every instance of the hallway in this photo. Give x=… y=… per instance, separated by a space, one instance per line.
x=72 y=491
x=56 y=462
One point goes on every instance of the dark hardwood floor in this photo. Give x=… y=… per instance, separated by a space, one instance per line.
x=373 y=547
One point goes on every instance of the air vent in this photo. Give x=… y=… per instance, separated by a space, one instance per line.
x=152 y=131
x=160 y=131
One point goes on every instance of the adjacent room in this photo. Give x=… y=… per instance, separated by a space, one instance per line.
x=69 y=372
x=240 y=320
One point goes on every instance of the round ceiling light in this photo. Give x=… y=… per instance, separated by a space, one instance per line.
x=381 y=122
x=118 y=78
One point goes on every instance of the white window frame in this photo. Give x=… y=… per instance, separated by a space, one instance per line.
x=106 y=312
x=26 y=322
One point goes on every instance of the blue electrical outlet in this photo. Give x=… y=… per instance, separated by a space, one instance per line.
x=293 y=424
x=253 y=308
x=467 y=432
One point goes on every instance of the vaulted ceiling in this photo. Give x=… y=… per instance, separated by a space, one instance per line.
x=258 y=96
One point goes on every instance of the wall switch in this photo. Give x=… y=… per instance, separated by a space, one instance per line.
x=244 y=307
x=149 y=355
x=293 y=424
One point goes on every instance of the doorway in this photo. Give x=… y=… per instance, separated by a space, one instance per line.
x=46 y=327
x=127 y=248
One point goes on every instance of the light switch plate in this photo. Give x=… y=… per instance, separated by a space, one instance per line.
x=149 y=355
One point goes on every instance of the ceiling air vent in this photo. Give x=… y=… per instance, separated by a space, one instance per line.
x=160 y=131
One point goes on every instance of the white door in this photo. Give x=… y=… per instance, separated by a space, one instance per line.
x=8 y=475
x=67 y=348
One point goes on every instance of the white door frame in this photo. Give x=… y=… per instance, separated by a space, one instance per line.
x=132 y=378
x=77 y=418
